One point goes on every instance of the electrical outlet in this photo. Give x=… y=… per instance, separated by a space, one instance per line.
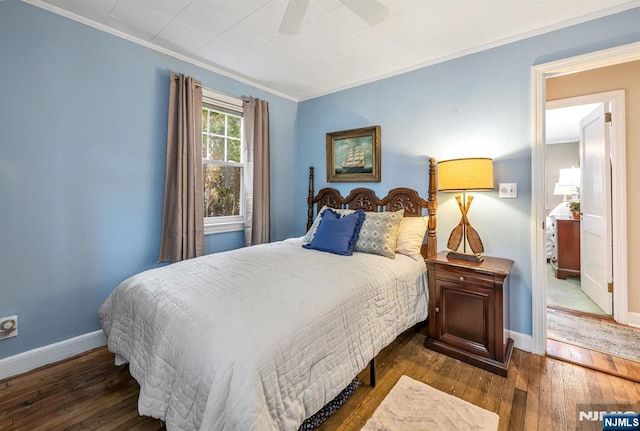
x=8 y=327
x=508 y=190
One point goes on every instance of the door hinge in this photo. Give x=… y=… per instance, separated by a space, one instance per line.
x=610 y=287
x=607 y=117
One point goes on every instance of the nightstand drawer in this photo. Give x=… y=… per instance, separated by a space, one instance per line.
x=466 y=276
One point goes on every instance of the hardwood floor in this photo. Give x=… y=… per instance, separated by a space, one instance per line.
x=604 y=362
x=88 y=392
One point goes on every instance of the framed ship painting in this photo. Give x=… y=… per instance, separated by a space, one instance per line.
x=354 y=155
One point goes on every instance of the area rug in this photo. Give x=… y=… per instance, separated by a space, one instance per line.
x=414 y=406
x=594 y=334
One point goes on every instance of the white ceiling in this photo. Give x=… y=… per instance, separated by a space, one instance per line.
x=334 y=49
x=563 y=124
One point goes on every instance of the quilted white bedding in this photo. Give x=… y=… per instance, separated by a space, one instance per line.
x=258 y=338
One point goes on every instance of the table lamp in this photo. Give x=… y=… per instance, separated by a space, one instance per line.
x=462 y=175
x=570 y=177
x=563 y=190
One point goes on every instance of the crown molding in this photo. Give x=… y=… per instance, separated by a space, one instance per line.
x=187 y=59
x=537 y=32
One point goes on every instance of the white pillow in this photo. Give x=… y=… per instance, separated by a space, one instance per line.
x=411 y=235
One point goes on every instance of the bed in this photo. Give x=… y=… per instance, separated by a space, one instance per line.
x=262 y=337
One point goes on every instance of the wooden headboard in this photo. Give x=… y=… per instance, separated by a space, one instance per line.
x=365 y=199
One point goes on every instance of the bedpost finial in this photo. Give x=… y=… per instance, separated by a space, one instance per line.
x=310 y=199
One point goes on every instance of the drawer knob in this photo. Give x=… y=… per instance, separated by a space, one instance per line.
x=437 y=309
x=461 y=278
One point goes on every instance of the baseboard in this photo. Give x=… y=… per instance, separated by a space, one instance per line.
x=633 y=319
x=32 y=359
x=520 y=341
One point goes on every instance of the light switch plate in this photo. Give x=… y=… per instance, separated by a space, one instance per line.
x=508 y=190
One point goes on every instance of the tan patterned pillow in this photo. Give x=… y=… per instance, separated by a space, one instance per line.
x=411 y=235
x=379 y=233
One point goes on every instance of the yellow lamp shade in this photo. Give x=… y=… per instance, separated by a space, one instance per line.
x=465 y=174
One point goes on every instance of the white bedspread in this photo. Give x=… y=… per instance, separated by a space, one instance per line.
x=258 y=338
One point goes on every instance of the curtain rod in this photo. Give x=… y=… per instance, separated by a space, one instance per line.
x=198 y=84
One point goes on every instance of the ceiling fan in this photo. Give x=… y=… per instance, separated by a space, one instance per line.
x=371 y=11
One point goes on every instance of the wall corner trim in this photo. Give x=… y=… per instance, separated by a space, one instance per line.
x=32 y=359
x=520 y=341
x=634 y=319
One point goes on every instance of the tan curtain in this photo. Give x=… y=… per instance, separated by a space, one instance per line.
x=256 y=135
x=183 y=215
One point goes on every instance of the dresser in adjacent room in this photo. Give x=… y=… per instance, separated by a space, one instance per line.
x=565 y=258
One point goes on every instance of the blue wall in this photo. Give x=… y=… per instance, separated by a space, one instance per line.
x=82 y=155
x=477 y=105
x=82 y=159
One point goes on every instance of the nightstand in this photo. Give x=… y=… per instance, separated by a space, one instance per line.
x=467 y=309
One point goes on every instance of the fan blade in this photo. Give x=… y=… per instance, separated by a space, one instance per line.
x=293 y=15
x=372 y=11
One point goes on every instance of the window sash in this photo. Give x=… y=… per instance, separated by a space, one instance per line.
x=242 y=192
x=223 y=224
x=222 y=163
x=228 y=139
x=228 y=106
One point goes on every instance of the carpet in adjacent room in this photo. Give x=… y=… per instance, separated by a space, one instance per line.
x=594 y=334
x=568 y=294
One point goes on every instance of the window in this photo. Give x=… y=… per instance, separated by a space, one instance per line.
x=222 y=162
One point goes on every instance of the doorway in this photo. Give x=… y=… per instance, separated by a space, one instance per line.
x=570 y=138
x=579 y=263
x=579 y=305
x=540 y=74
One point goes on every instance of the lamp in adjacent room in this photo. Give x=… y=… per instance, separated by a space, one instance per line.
x=563 y=190
x=570 y=177
x=462 y=175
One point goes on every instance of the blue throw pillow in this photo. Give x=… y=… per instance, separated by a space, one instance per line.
x=337 y=234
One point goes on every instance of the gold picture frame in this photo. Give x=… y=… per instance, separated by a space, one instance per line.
x=354 y=155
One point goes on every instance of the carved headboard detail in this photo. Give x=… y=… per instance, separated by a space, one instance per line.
x=366 y=199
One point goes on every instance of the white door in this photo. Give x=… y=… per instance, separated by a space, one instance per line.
x=595 y=206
